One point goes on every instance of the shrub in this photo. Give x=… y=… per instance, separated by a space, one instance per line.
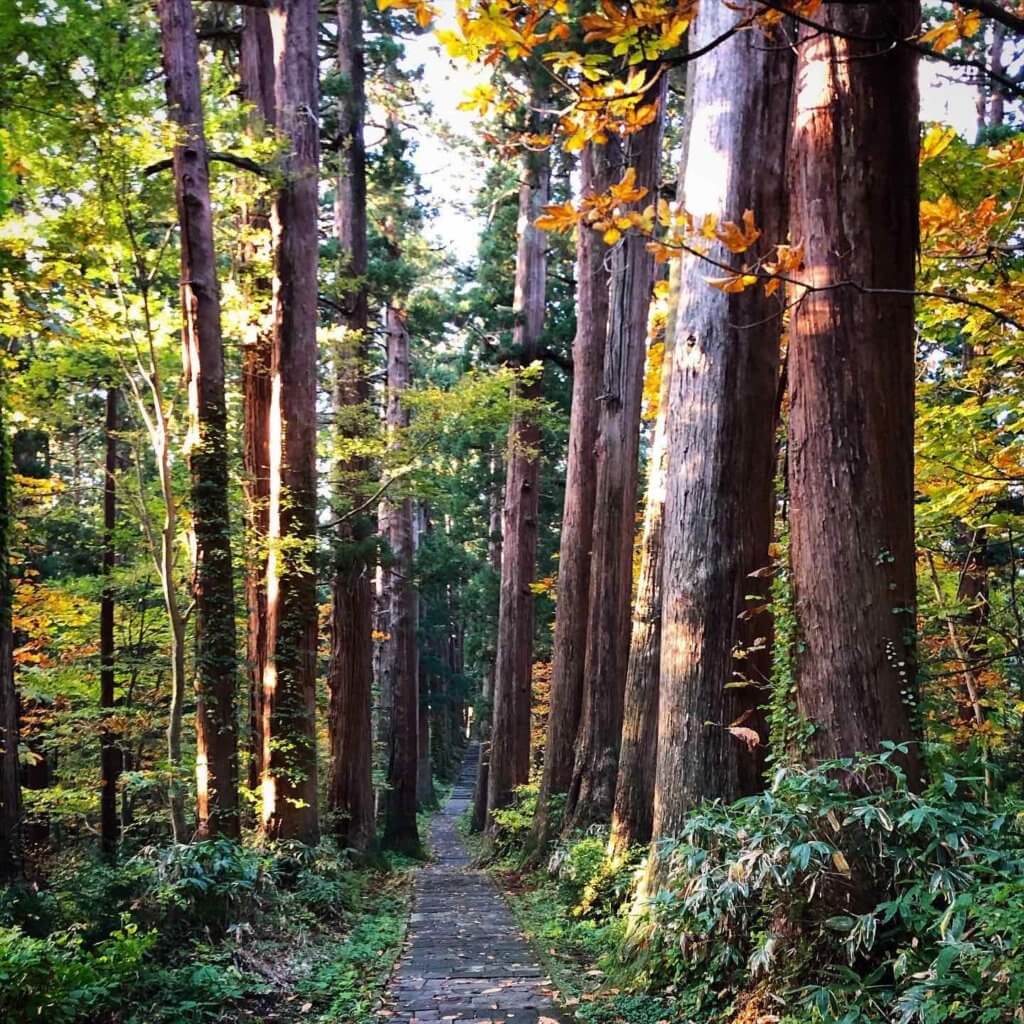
x=859 y=899
x=59 y=981
x=513 y=824
x=205 y=885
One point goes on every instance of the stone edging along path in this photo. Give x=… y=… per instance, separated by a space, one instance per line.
x=464 y=958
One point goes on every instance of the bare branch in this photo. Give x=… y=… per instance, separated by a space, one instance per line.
x=241 y=162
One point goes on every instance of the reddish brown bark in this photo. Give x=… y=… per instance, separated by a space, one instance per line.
x=289 y=783
x=592 y=789
x=350 y=673
x=509 y=755
x=256 y=76
x=851 y=365
x=110 y=752
x=569 y=646
x=203 y=359
x=633 y=810
x=400 y=828
x=721 y=431
x=496 y=500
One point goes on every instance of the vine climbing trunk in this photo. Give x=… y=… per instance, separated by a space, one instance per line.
x=509 y=755
x=718 y=513
x=288 y=712
x=854 y=187
x=207 y=443
x=400 y=828
x=569 y=646
x=350 y=672
x=592 y=789
x=10 y=786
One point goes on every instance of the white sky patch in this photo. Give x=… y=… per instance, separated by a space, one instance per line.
x=453 y=176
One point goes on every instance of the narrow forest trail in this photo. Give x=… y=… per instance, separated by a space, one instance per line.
x=464 y=959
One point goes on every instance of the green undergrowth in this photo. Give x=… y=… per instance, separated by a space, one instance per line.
x=207 y=932
x=837 y=896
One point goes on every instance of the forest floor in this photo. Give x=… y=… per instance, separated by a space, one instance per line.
x=464 y=959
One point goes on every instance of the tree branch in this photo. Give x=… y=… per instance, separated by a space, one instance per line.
x=369 y=502
x=241 y=162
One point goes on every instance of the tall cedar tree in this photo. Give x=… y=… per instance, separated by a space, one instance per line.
x=854 y=189
x=350 y=673
x=203 y=358
x=592 y=790
x=721 y=428
x=10 y=785
x=256 y=77
x=633 y=810
x=509 y=759
x=570 y=640
x=495 y=503
x=288 y=713
x=400 y=653
x=110 y=752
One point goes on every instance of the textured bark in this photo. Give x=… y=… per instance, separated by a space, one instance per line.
x=633 y=811
x=110 y=751
x=851 y=365
x=721 y=428
x=592 y=790
x=10 y=787
x=509 y=753
x=350 y=673
x=256 y=76
x=400 y=829
x=494 y=546
x=203 y=360
x=570 y=638
x=426 y=797
x=289 y=783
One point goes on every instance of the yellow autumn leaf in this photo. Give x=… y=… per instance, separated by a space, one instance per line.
x=936 y=140
x=736 y=238
x=732 y=284
x=963 y=26
x=479 y=98
x=559 y=217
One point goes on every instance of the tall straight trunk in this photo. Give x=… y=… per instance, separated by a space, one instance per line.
x=483 y=726
x=721 y=430
x=110 y=750
x=10 y=786
x=350 y=673
x=509 y=756
x=256 y=76
x=207 y=444
x=633 y=810
x=997 y=62
x=426 y=797
x=400 y=828
x=570 y=638
x=592 y=789
x=289 y=783
x=851 y=364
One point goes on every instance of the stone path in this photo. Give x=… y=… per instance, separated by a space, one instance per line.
x=464 y=958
